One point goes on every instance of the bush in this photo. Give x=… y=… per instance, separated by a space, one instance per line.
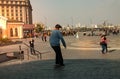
x=5 y=40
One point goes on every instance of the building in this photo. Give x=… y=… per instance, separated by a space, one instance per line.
x=3 y=27
x=16 y=10
x=18 y=14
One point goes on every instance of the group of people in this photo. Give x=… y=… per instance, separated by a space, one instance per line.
x=55 y=38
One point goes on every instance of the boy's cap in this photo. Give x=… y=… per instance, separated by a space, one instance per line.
x=58 y=26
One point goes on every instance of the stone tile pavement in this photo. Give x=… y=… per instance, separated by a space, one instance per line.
x=79 y=64
x=74 y=69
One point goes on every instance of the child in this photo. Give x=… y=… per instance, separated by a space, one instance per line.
x=32 y=50
x=103 y=43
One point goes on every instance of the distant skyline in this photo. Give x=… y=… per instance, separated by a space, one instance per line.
x=85 y=12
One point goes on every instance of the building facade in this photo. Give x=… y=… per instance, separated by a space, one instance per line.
x=18 y=14
x=3 y=27
x=16 y=10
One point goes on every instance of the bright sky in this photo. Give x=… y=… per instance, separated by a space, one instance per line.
x=65 y=12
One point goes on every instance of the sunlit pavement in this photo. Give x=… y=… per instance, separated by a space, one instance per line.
x=80 y=63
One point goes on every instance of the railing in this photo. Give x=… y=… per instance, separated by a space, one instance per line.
x=37 y=53
x=24 y=52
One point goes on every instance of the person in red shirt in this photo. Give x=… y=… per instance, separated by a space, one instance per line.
x=103 y=43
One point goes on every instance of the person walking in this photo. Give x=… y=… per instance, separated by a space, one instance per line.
x=44 y=36
x=103 y=43
x=32 y=50
x=55 y=39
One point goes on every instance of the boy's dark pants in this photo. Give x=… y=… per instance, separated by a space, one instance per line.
x=59 y=58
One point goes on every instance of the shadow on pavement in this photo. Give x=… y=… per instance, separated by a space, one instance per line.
x=73 y=69
x=112 y=50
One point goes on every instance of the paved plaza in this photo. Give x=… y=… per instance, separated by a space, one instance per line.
x=82 y=58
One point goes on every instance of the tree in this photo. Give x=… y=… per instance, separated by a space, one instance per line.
x=39 y=27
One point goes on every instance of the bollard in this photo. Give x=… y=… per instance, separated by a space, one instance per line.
x=22 y=55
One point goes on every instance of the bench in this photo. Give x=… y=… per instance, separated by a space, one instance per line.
x=18 y=54
x=3 y=57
